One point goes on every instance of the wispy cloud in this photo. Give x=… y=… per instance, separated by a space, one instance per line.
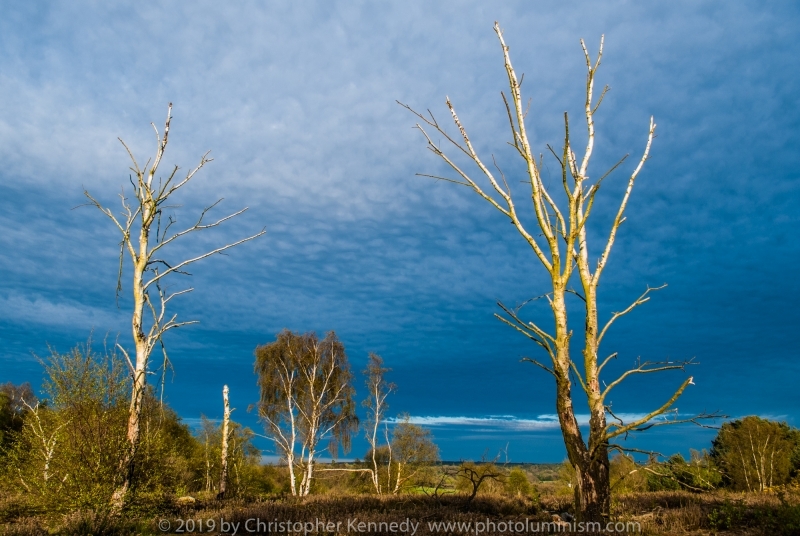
x=502 y=422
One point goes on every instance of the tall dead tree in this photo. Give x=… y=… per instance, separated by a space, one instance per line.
x=306 y=398
x=226 y=421
x=559 y=241
x=145 y=245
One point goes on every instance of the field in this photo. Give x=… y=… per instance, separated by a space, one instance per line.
x=335 y=510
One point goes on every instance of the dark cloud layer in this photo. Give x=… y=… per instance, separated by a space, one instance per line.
x=297 y=102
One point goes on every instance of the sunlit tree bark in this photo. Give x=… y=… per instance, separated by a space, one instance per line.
x=559 y=241
x=145 y=231
x=226 y=420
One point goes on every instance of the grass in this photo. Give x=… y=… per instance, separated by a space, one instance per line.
x=658 y=513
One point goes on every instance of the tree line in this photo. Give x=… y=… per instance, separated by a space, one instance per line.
x=62 y=450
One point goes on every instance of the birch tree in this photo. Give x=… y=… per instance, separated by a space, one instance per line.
x=756 y=454
x=559 y=240
x=146 y=228
x=379 y=390
x=306 y=400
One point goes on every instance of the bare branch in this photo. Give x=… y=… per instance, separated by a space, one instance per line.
x=648 y=367
x=601 y=263
x=639 y=301
x=644 y=422
x=529 y=360
x=203 y=256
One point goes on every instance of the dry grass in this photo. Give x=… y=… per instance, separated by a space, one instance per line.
x=659 y=513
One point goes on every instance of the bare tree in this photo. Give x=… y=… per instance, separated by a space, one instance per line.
x=226 y=420
x=473 y=475
x=150 y=268
x=559 y=241
x=306 y=398
x=376 y=406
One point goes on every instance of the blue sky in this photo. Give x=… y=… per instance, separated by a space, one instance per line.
x=297 y=103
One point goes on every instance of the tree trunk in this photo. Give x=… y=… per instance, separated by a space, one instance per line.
x=223 y=479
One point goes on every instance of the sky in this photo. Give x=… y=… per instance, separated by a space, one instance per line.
x=297 y=103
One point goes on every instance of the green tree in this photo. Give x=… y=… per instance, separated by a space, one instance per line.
x=67 y=454
x=244 y=460
x=755 y=454
x=517 y=483
x=68 y=450
x=412 y=452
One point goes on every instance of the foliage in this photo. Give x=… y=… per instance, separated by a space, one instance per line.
x=697 y=474
x=412 y=453
x=67 y=454
x=756 y=454
x=626 y=475
x=245 y=475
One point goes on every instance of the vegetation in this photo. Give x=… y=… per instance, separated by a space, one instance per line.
x=755 y=454
x=306 y=399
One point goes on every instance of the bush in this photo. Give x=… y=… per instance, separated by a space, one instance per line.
x=67 y=454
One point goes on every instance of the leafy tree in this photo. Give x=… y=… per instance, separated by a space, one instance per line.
x=67 y=453
x=626 y=475
x=755 y=454
x=306 y=398
x=244 y=460
x=697 y=474
x=412 y=451
x=517 y=483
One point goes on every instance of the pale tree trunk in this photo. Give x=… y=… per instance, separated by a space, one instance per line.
x=376 y=405
x=226 y=419
x=559 y=242
x=149 y=270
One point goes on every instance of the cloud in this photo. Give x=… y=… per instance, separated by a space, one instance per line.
x=502 y=423
x=23 y=310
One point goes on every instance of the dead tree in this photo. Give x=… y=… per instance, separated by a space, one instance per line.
x=306 y=398
x=559 y=241
x=145 y=216
x=226 y=420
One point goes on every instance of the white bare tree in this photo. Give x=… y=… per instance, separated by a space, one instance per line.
x=559 y=241
x=145 y=232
